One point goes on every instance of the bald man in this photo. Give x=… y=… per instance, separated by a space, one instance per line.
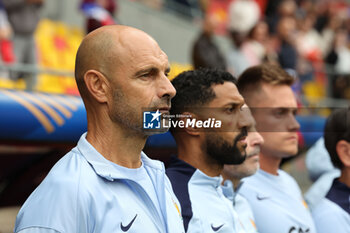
x=233 y=175
x=106 y=183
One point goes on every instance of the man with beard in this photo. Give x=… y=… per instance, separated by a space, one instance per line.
x=274 y=196
x=233 y=175
x=107 y=184
x=202 y=152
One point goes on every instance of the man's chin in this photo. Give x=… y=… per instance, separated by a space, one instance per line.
x=237 y=160
x=289 y=153
x=292 y=149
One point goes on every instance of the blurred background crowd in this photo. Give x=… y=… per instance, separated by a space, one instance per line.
x=309 y=38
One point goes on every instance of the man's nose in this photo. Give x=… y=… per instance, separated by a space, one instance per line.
x=166 y=88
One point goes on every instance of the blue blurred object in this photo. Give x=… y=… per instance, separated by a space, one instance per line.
x=311 y=128
x=165 y=140
x=35 y=117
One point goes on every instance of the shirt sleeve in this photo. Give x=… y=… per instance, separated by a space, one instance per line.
x=38 y=230
x=329 y=217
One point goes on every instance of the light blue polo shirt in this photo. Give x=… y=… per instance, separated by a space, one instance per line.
x=205 y=208
x=84 y=192
x=241 y=205
x=277 y=203
x=328 y=215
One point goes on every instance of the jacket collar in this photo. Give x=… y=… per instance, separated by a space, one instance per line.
x=200 y=177
x=229 y=190
x=110 y=170
x=320 y=188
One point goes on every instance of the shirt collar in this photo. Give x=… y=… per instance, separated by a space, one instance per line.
x=215 y=181
x=108 y=169
x=229 y=190
x=201 y=178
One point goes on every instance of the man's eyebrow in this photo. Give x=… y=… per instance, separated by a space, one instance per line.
x=232 y=103
x=282 y=109
x=150 y=69
x=239 y=103
x=292 y=109
x=146 y=70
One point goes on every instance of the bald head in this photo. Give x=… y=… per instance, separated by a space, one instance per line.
x=106 y=48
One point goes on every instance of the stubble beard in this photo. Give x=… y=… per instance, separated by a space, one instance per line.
x=125 y=115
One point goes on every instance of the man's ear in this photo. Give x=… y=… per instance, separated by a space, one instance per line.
x=343 y=151
x=97 y=84
x=191 y=128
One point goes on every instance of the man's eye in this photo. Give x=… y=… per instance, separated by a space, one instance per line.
x=279 y=112
x=230 y=110
x=146 y=75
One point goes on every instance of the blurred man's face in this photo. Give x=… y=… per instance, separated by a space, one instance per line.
x=251 y=163
x=274 y=111
x=210 y=24
x=227 y=144
x=286 y=28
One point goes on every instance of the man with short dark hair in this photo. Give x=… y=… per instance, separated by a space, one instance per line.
x=275 y=197
x=331 y=212
x=106 y=183
x=202 y=152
